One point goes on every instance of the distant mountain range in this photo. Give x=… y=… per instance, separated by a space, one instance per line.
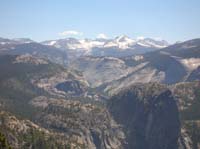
x=166 y=63
x=71 y=48
x=170 y=65
x=4 y=41
x=27 y=46
x=118 y=47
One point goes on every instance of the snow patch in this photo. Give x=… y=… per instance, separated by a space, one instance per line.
x=52 y=43
x=138 y=57
x=191 y=63
x=2 y=43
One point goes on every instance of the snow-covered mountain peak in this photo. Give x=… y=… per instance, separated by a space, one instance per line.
x=149 y=42
x=120 y=43
x=124 y=39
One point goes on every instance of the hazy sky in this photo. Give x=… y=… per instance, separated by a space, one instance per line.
x=173 y=20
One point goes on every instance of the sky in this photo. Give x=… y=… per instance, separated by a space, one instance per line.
x=172 y=20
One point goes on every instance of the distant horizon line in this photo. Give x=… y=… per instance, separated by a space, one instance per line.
x=96 y=38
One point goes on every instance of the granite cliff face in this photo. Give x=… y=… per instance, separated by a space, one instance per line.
x=149 y=116
x=90 y=125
